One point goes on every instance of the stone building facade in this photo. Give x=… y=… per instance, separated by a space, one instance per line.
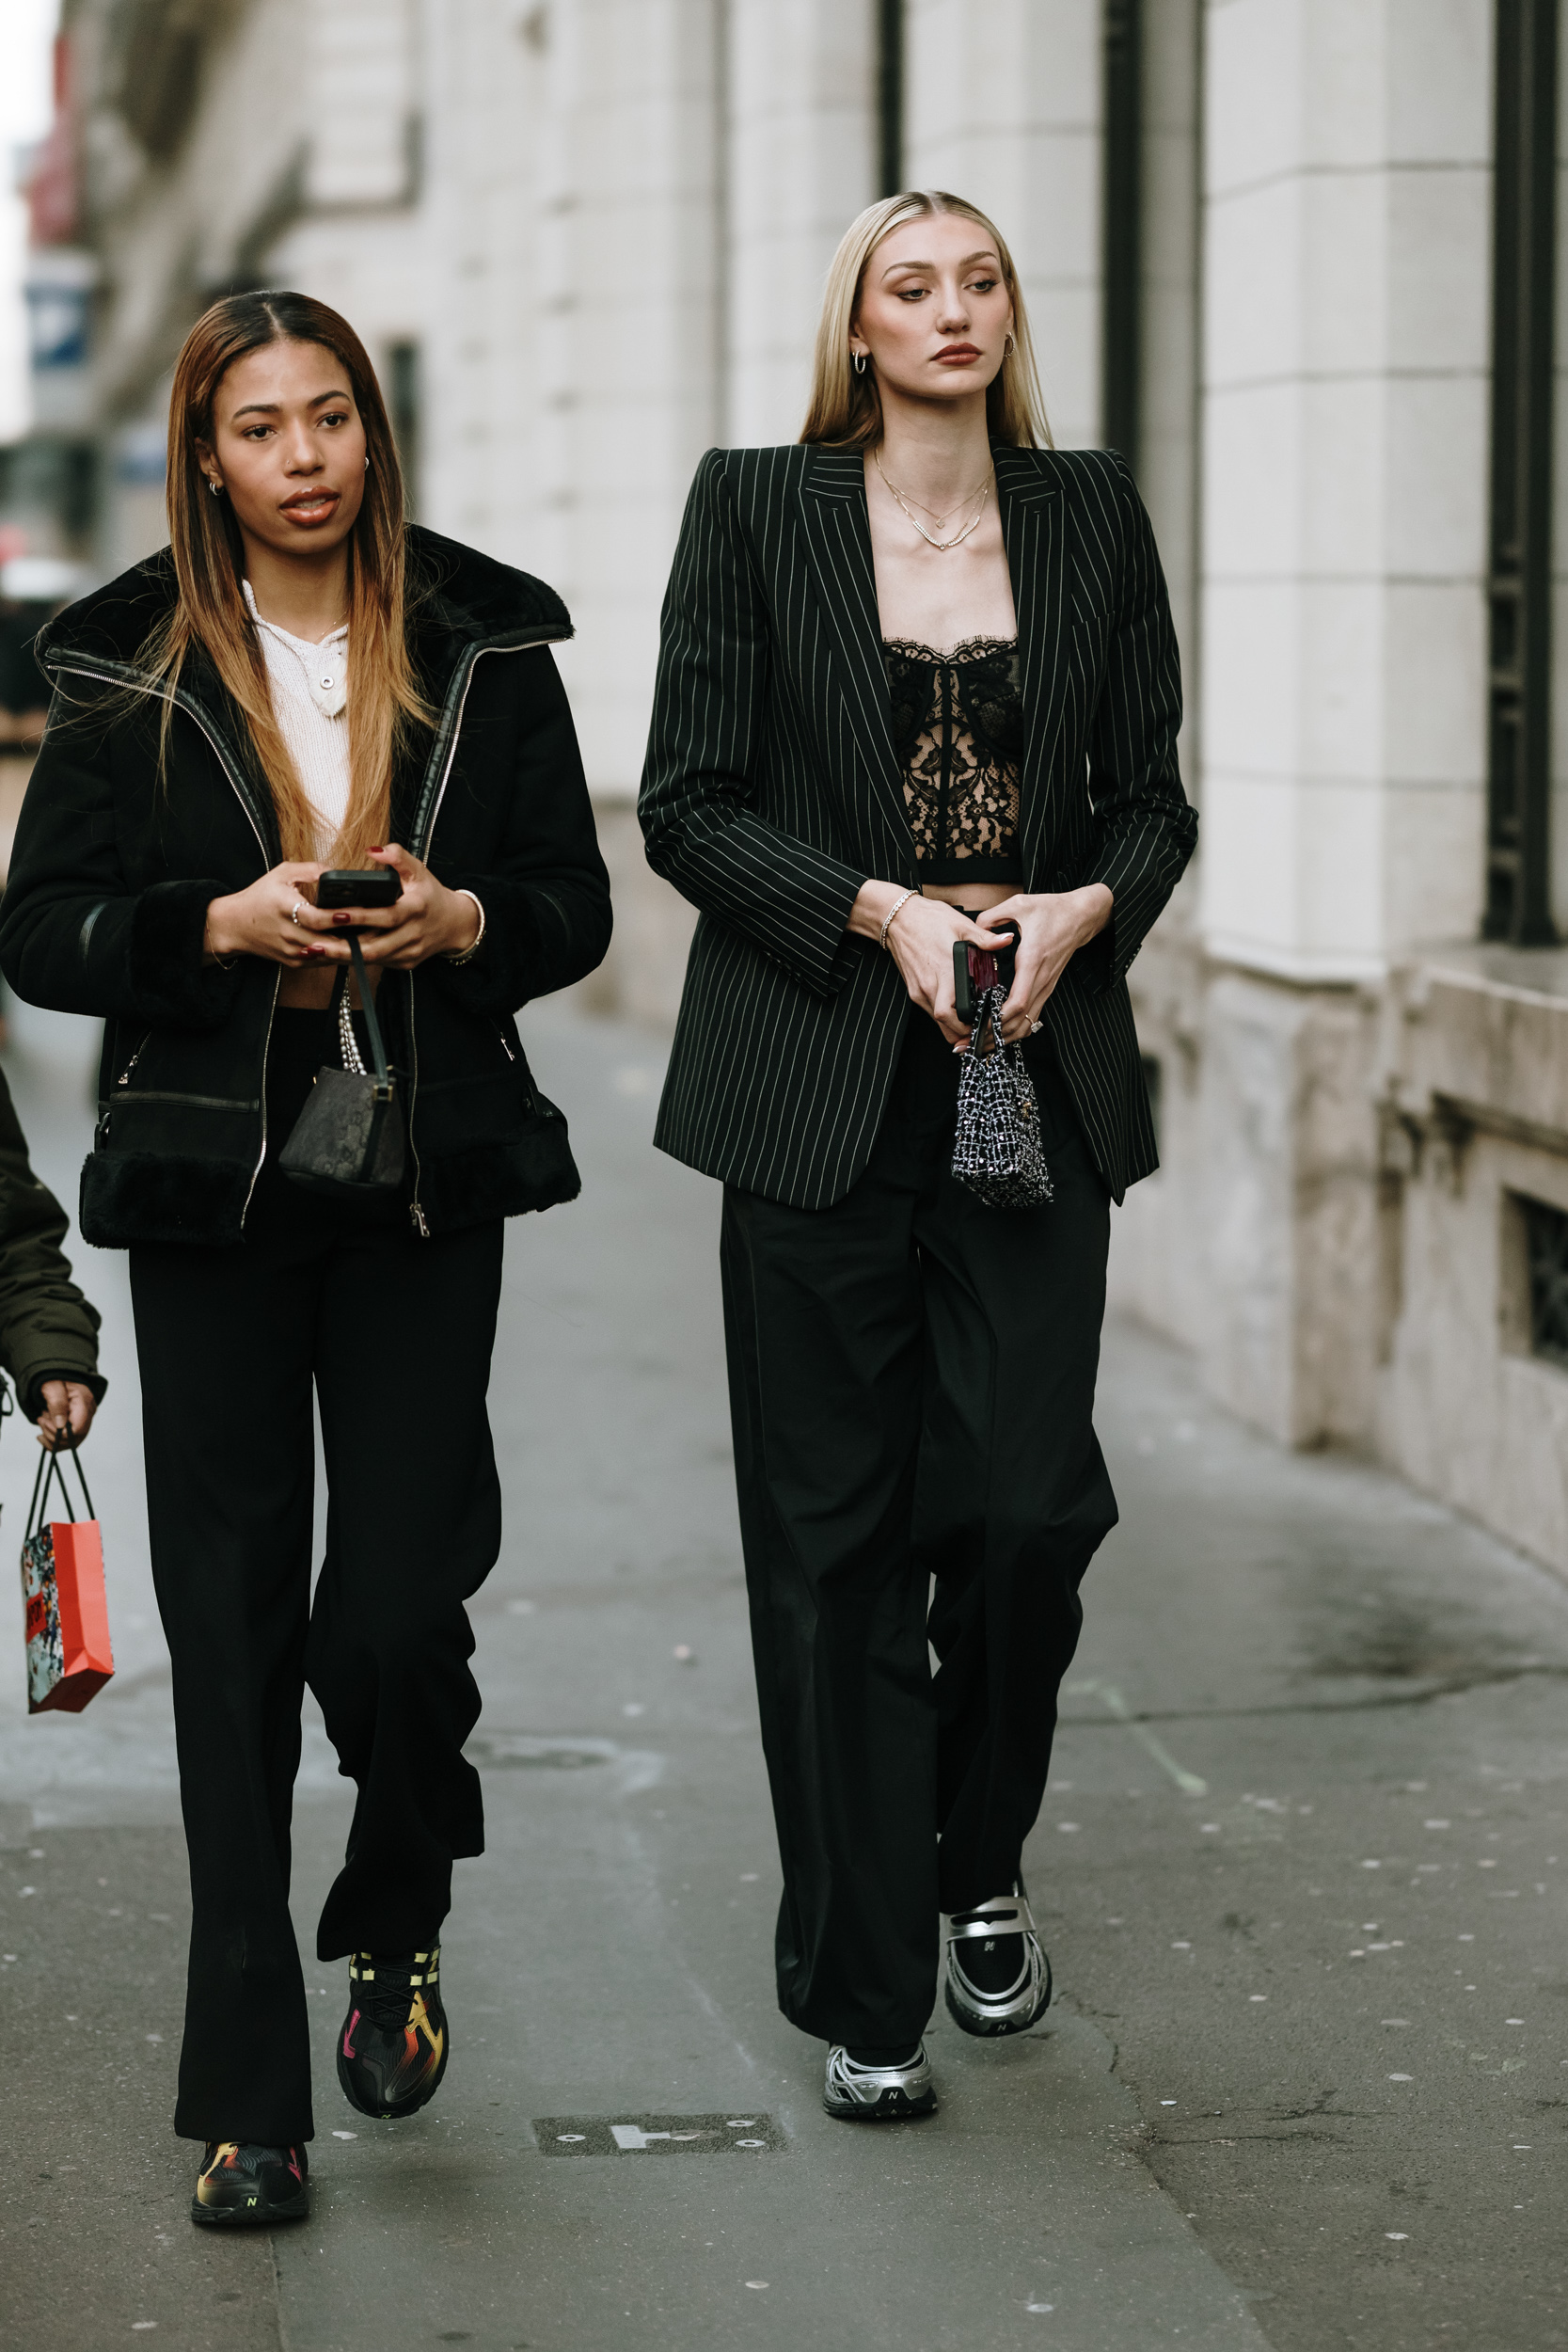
x=1280 y=251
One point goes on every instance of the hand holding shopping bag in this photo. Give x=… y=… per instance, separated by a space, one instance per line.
x=68 y=1655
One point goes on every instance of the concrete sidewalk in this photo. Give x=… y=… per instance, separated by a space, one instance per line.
x=1306 y=2082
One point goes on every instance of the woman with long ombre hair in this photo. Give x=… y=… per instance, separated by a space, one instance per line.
x=303 y=682
x=918 y=693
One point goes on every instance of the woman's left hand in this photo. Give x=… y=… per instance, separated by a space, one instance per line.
x=1052 y=926
x=68 y=1406
x=428 y=920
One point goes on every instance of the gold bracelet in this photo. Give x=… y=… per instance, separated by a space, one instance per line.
x=897 y=908
x=225 y=963
x=467 y=955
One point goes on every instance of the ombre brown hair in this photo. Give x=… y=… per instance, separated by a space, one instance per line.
x=846 y=409
x=385 y=704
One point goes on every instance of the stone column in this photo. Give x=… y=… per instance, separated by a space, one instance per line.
x=1346 y=288
x=623 y=342
x=800 y=163
x=1002 y=106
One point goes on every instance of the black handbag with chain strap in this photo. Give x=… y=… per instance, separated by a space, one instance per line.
x=348 y=1141
x=997 y=1148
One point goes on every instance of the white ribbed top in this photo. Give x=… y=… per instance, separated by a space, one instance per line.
x=310 y=701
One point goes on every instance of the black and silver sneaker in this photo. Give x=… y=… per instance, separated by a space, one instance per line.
x=393 y=2049
x=1002 y=1981
x=876 y=2093
x=242 y=2185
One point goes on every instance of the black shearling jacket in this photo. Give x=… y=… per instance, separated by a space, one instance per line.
x=114 y=869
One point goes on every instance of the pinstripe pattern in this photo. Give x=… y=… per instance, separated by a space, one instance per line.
x=773 y=790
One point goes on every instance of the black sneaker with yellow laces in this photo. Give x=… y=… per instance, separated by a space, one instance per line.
x=392 y=2051
x=242 y=2185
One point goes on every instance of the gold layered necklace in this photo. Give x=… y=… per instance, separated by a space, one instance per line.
x=907 y=506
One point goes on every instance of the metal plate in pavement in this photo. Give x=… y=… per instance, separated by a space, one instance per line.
x=657 y=2135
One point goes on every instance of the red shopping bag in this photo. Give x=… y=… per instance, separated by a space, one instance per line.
x=68 y=1655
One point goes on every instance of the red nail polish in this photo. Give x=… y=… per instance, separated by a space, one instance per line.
x=339 y=918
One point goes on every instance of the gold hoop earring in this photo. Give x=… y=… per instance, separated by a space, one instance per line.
x=1009 y=344
x=857 y=361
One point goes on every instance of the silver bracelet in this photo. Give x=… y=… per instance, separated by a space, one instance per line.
x=467 y=954
x=896 y=908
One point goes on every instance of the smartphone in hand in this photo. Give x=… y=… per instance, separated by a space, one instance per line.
x=975 y=970
x=355 y=886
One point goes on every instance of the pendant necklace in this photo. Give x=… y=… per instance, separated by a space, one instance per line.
x=906 y=510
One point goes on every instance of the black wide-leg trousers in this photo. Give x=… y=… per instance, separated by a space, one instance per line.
x=911 y=1385
x=393 y=1335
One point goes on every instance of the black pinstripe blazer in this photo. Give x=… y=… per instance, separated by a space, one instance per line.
x=773 y=790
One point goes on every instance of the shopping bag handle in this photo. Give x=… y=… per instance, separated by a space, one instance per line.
x=50 y=1468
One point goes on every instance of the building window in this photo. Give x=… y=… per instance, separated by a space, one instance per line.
x=1518 y=891
x=890 y=97
x=403 y=402
x=1546 y=1251
x=1121 y=314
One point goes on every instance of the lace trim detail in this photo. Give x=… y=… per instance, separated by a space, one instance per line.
x=957 y=726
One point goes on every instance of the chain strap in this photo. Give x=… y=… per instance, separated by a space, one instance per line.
x=346 y=1039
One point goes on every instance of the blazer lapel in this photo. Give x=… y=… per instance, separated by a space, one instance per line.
x=837 y=540
x=1030 y=504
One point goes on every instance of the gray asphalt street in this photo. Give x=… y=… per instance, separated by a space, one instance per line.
x=1301 y=1869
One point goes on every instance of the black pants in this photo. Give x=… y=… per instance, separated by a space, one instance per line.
x=395 y=1334
x=911 y=1386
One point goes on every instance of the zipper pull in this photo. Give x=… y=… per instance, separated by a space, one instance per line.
x=417 y=1218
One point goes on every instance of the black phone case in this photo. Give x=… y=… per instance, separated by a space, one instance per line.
x=963 y=992
x=963 y=974
x=344 y=886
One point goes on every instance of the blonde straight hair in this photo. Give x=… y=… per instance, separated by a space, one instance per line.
x=846 y=409
x=385 y=704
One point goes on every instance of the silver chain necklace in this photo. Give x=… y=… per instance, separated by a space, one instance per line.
x=906 y=510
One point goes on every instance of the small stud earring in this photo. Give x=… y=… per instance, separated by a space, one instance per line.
x=857 y=361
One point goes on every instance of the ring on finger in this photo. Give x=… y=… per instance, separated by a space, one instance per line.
x=294 y=912
x=1035 y=1027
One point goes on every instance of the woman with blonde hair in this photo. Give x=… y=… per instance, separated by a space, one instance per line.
x=307 y=733
x=918 y=691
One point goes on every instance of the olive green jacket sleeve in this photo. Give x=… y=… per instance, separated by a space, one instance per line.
x=47 y=1329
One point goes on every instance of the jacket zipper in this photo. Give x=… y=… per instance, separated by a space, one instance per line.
x=124 y=1078
x=266 y=1049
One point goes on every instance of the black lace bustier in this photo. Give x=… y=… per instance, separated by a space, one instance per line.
x=957 y=727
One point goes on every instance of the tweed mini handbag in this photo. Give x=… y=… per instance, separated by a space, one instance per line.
x=997 y=1151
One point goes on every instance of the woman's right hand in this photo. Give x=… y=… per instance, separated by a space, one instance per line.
x=920 y=939
x=263 y=921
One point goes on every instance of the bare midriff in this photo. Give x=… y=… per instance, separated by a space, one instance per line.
x=976 y=895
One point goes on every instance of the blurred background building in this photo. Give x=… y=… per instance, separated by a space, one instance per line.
x=1295 y=258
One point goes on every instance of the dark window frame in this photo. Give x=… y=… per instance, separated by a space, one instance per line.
x=404 y=409
x=1519 y=584
x=890 y=97
x=1121 y=218
x=1546 y=1257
